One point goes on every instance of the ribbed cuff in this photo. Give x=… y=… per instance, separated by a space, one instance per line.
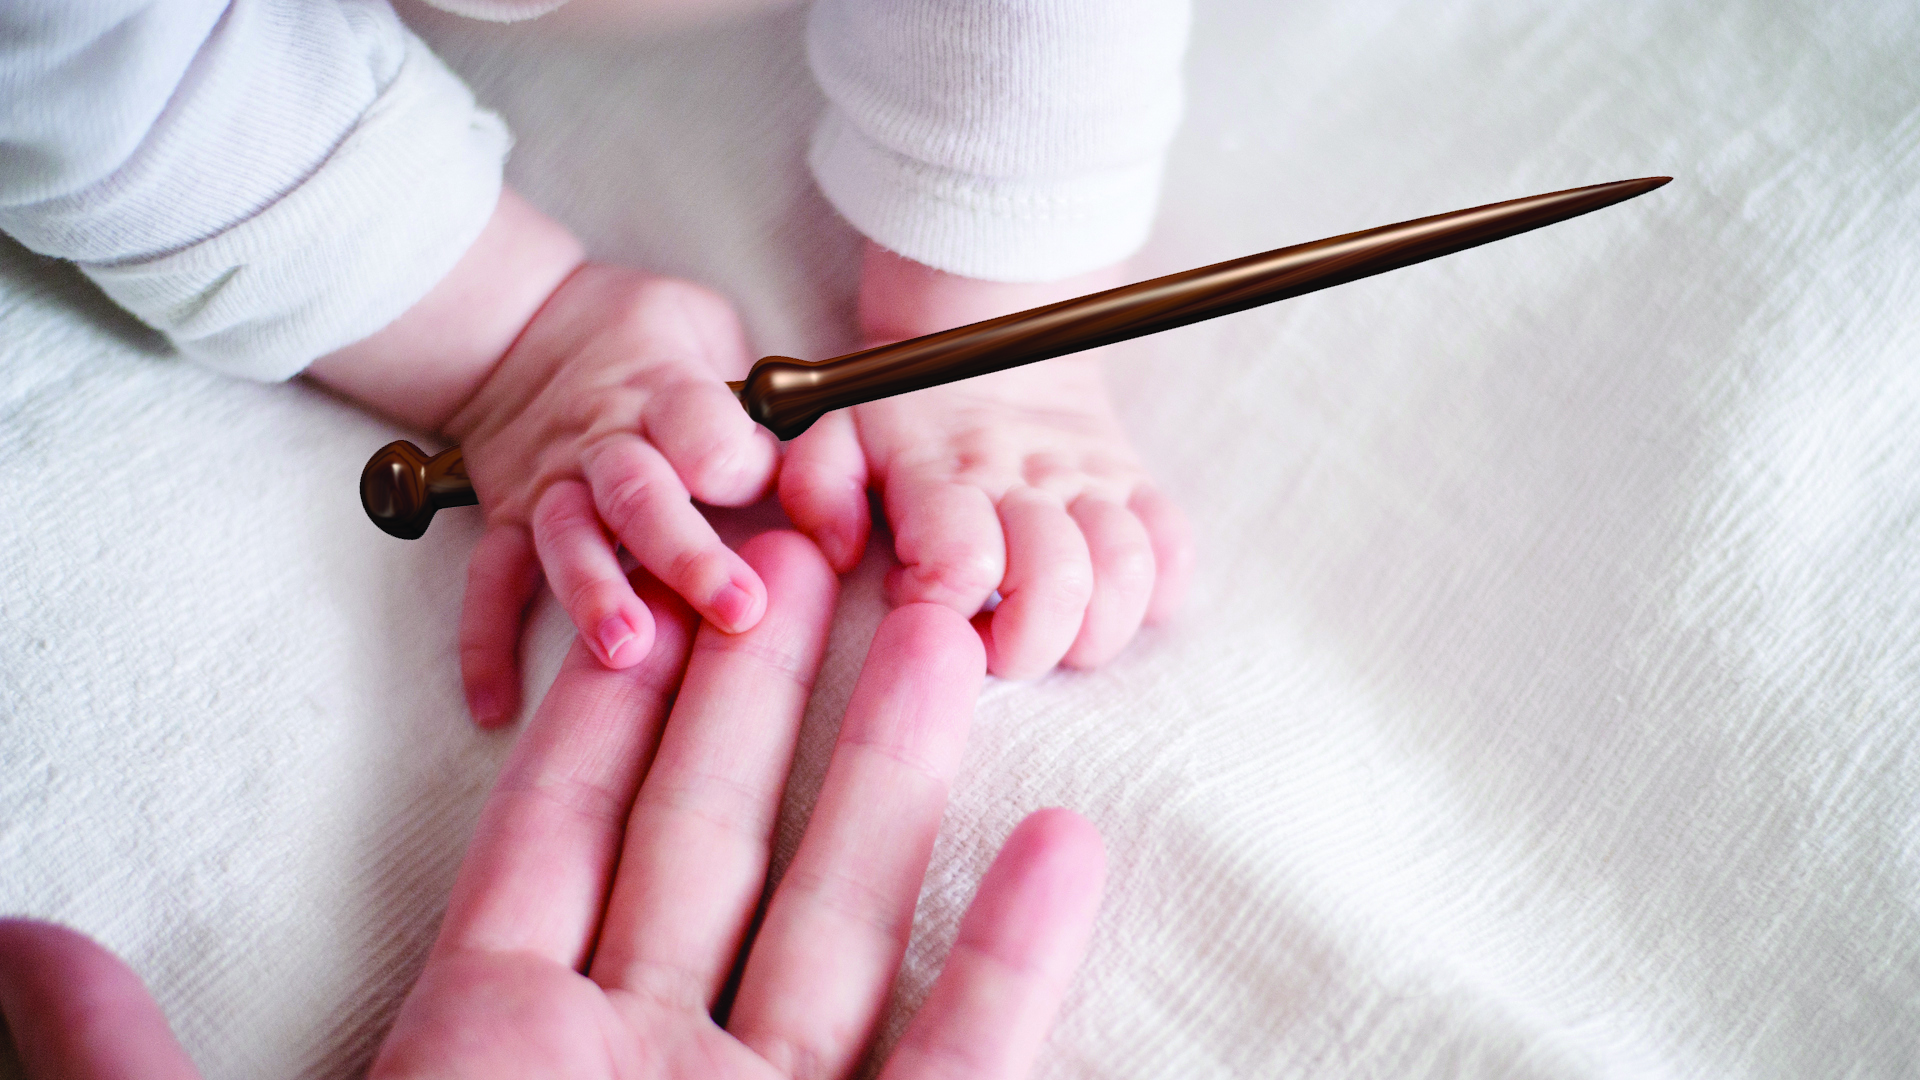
x=498 y=11
x=345 y=253
x=999 y=230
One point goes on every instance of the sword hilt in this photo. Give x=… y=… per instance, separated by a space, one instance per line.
x=401 y=487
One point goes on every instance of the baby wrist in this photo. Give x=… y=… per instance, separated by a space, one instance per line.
x=426 y=367
x=901 y=298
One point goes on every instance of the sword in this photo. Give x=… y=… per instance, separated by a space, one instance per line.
x=402 y=487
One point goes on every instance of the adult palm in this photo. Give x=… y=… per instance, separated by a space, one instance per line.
x=611 y=887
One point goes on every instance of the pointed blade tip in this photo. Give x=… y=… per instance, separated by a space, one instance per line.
x=1623 y=190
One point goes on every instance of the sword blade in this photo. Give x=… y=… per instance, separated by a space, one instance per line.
x=787 y=395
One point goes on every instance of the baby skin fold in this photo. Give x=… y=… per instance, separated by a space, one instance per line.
x=592 y=407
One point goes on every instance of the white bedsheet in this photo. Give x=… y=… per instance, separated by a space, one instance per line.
x=1545 y=704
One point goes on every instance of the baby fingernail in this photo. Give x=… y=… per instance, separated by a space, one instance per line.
x=614 y=633
x=732 y=604
x=485 y=705
x=843 y=550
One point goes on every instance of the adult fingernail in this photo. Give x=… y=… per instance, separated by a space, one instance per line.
x=614 y=633
x=732 y=604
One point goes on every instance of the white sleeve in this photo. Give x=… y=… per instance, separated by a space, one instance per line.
x=264 y=181
x=499 y=11
x=1013 y=140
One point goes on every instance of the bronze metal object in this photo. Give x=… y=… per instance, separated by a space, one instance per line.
x=402 y=487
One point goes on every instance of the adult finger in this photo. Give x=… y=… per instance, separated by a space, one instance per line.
x=501 y=578
x=1049 y=581
x=1123 y=565
x=641 y=499
x=694 y=862
x=718 y=452
x=1026 y=931
x=536 y=874
x=823 y=488
x=586 y=578
x=76 y=1011
x=1173 y=550
x=948 y=540
x=824 y=959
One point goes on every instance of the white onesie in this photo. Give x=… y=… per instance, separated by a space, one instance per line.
x=266 y=181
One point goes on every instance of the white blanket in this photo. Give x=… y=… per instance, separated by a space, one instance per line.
x=1545 y=704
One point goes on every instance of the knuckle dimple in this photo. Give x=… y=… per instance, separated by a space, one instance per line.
x=695 y=564
x=711 y=468
x=963 y=570
x=794 y=1057
x=983 y=451
x=1070 y=589
x=586 y=601
x=480 y=659
x=554 y=514
x=1046 y=472
x=624 y=503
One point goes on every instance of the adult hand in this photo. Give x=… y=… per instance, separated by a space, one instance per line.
x=612 y=882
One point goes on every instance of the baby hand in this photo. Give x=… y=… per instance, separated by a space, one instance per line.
x=607 y=414
x=590 y=404
x=1020 y=482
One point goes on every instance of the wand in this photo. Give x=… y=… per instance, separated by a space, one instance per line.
x=401 y=486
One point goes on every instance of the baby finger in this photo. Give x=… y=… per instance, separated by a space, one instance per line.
x=1173 y=551
x=1123 y=572
x=823 y=489
x=1049 y=581
x=641 y=499
x=586 y=577
x=721 y=456
x=947 y=537
x=501 y=578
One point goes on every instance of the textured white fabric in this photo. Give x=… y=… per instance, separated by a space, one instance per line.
x=81 y=85
x=1545 y=706
x=263 y=183
x=1013 y=140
